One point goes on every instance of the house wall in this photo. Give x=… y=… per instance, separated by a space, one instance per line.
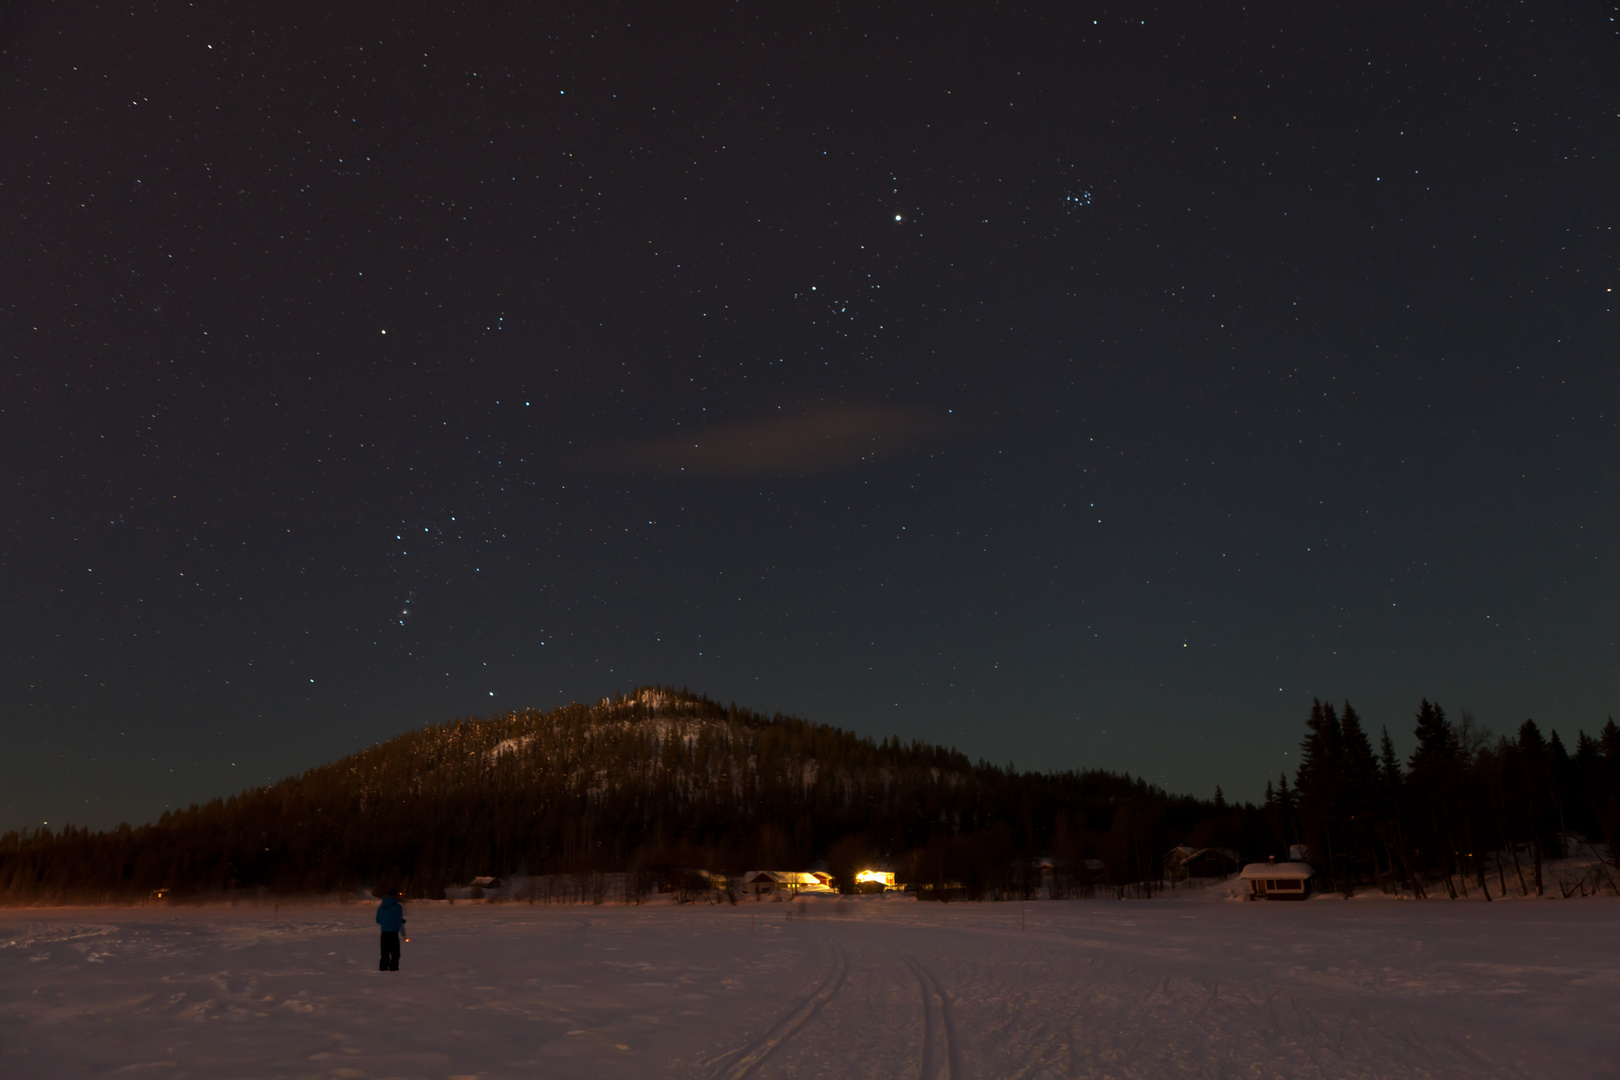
x=1279 y=888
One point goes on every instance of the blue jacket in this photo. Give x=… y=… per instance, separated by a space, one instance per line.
x=390 y=916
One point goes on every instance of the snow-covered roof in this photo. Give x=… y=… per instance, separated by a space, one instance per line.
x=1276 y=871
x=782 y=877
x=1183 y=853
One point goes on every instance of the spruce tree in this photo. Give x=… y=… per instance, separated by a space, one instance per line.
x=1433 y=786
x=1604 y=790
x=1319 y=782
x=1389 y=766
x=1358 y=810
x=1390 y=816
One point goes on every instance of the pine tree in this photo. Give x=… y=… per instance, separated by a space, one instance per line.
x=1433 y=786
x=1603 y=789
x=1565 y=784
x=1437 y=748
x=1360 y=799
x=1286 y=802
x=1389 y=766
x=1391 y=784
x=1529 y=782
x=1319 y=782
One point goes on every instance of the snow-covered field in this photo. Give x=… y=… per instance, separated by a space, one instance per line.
x=821 y=988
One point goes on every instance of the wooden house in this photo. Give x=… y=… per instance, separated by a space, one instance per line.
x=1183 y=862
x=875 y=881
x=792 y=882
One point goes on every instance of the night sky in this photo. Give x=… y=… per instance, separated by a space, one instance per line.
x=1080 y=385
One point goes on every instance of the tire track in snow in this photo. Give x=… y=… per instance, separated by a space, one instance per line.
x=742 y=1062
x=936 y=1059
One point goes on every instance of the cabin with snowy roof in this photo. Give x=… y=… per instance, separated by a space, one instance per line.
x=1272 y=880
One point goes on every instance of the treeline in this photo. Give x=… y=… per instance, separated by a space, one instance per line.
x=663 y=782
x=651 y=783
x=1465 y=810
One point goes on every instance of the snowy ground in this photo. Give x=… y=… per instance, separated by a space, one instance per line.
x=823 y=988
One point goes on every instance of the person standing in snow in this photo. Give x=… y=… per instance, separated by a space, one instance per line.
x=391 y=917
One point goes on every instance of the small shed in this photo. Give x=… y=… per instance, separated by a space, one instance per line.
x=1272 y=880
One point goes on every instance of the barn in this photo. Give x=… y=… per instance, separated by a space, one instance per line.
x=1272 y=880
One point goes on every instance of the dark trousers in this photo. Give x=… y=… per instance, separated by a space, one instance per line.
x=390 y=951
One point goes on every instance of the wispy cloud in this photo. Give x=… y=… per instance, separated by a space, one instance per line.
x=818 y=440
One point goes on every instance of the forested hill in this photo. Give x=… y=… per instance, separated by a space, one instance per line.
x=657 y=780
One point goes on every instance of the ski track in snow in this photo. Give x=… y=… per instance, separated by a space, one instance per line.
x=937 y=1018
x=821 y=988
x=746 y=1059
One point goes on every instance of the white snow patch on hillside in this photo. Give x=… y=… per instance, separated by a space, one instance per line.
x=509 y=746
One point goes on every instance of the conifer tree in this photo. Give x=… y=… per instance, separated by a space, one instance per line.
x=1320 y=784
x=1528 y=779
x=1287 y=811
x=1433 y=787
x=1389 y=766
x=1361 y=797
x=1391 y=817
x=1603 y=789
